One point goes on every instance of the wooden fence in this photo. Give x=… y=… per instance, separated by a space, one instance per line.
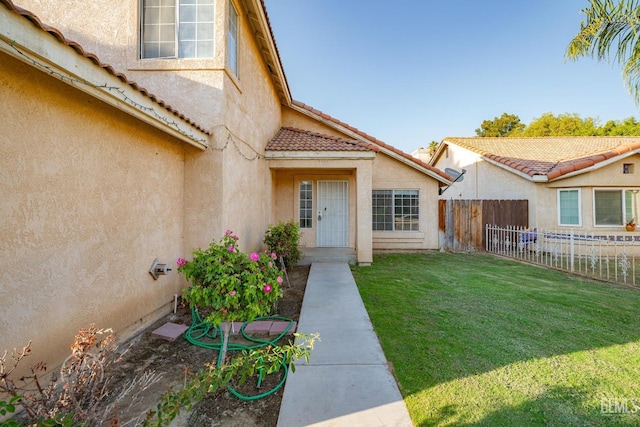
x=461 y=223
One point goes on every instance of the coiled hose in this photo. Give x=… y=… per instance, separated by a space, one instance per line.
x=204 y=334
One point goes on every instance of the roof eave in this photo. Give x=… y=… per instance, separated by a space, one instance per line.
x=259 y=21
x=595 y=166
x=355 y=135
x=533 y=177
x=26 y=42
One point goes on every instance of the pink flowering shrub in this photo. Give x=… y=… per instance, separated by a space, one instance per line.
x=283 y=239
x=229 y=285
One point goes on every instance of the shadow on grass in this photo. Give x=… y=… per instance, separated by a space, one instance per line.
x=450 y=318
x=560 y=406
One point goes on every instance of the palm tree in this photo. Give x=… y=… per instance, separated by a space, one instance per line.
x=611 y=25
x=433 y=147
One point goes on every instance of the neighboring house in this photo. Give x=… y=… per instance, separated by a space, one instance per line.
x=101 y=176
x=585 y=183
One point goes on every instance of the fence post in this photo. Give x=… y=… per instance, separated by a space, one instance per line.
x=572 y=250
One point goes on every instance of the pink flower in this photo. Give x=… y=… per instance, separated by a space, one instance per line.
x=270 y=264
x=273 y=255
x=267 y=288
x=181 y=262
x=234 y=237
x=230 y=248
x=232 y=293
x=228 y=233
x=279 y=279
x=254 y=256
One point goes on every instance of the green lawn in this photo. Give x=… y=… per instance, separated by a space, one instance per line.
x=480 y=340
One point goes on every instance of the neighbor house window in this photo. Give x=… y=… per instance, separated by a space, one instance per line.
x=232 y=38
x=177 y=29
x=569 y=207
x=614 y=207
x=306 y=204
x=395 y=210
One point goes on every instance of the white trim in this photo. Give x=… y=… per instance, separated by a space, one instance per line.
x=598 y=165
x=393 y=209
x=336 y=232
x=236 y=72
x=313 y=203
x=382 y=149
x=21 y=39
x=622 y=191
x=540 y=177
x=579 y=190
x=267 y=44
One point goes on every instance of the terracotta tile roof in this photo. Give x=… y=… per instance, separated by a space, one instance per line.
x=373 y=140
x=290 y=139
x=80 y=50
x=552 y=157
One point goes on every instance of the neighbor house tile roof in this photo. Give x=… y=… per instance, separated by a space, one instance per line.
x=289 y=139
x=551 y=157
x=373 y=140
x=80 y=50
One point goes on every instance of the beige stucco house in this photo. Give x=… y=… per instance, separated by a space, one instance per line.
x=589 y=184
x=138 y=130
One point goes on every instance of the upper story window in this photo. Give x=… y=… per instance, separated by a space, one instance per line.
x=177 y=29
x=233 y=39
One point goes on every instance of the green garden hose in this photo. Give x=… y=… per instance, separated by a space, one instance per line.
x=204 y=334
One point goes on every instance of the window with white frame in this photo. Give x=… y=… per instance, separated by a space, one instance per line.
x=569 y=212
x=395 y=210
x=177 y=29
x=232 y=39
x=306 y=204
x=613 y=207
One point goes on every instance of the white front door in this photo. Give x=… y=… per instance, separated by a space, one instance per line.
x=333 y=214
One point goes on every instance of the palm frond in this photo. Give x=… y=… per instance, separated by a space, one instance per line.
x=611 y=31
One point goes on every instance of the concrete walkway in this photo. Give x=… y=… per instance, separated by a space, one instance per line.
x=347 y=381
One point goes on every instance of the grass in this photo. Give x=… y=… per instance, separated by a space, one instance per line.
x=480 y=340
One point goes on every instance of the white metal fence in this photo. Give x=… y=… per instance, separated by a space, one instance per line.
x=612 y=256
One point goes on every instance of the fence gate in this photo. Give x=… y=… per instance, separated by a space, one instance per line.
x=461 y=222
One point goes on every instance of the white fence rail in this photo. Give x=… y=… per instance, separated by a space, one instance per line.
x=612 y=256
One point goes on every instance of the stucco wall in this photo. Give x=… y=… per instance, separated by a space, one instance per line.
x=90 y=197
x=227 y=186
x=251 y=119
x=287 y=186
x=296 y=120
x=610 y=176
x=390 y=174
x=486 y=181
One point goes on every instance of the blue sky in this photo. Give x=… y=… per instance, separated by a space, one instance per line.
x=409 y=72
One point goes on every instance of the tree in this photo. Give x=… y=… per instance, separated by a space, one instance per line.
x=433 y=147
x=628 y=127
x=505 y=125
x=562 y=125
x=611 y=26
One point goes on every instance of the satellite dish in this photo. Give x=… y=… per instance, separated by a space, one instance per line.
x=457 y=176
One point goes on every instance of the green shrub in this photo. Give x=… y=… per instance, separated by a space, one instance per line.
x=283 y=239
x=234 y=285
